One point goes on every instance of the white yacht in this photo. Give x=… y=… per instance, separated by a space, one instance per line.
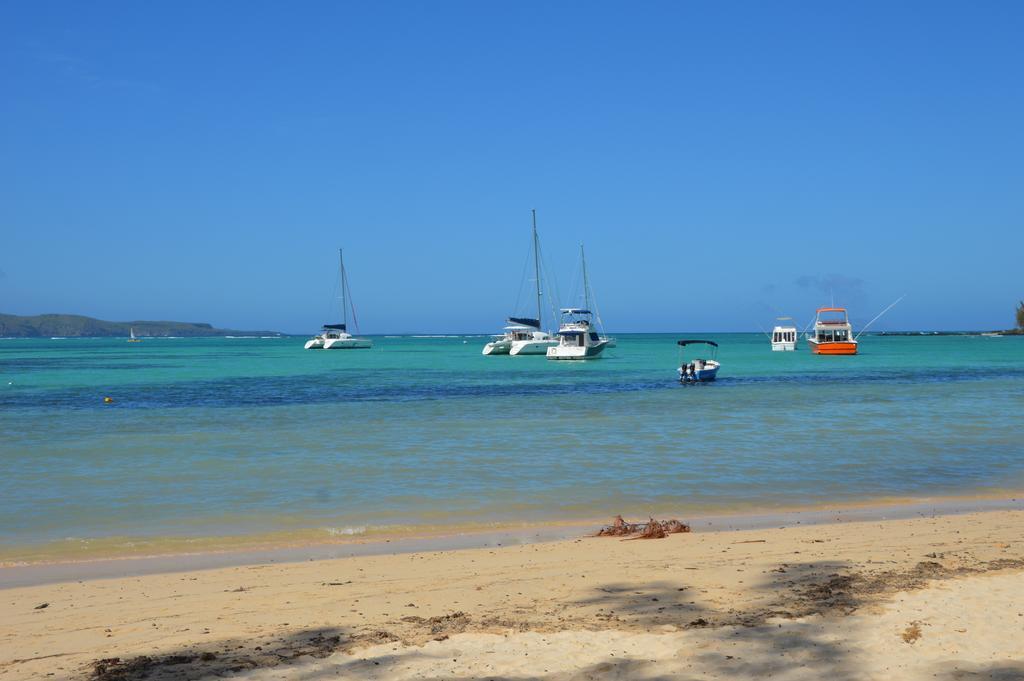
x=336 y=336
x=578 y=337
x=784 y=335
x=515 y=332
x=524 y=336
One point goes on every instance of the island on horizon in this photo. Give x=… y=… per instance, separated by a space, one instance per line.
x=80 y=326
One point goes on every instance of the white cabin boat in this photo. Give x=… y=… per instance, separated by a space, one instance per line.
x=524 y=336
x=336 y=336
x=784 y=335
x=578 y=337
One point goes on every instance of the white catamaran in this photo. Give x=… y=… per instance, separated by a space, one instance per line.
x=336 y=336
x=577 y=336
x=523 y=335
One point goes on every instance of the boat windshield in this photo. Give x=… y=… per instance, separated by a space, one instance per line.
x=833 y=335
x=832 y=315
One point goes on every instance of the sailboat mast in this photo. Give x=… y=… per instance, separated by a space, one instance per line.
x=344 y=298
x=586 y=284
x=536 y=264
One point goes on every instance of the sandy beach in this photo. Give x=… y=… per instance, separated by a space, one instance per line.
x=928 y=597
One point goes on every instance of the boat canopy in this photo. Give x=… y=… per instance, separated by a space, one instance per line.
x=526 y=321
x=339 y=327
x=574 y=310
x=832 y=309
x=691 y=342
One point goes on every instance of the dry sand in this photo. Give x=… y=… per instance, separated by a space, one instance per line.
x=931 y=598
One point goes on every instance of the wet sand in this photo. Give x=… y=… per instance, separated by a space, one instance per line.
x=927 y=597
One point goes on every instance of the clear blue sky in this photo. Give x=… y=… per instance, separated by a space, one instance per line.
x=203 y=161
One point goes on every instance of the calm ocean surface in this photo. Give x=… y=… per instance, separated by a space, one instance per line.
x=248 y=436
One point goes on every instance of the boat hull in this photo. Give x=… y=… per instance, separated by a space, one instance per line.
x=705 y=375
x=575 y=352
x=784 y=347
x=348 y=344
x=315 y=344
x=501 y=347
x=531 y=347
x=833 y=348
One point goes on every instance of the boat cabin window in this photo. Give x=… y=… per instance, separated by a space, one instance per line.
x=594 y=337
x=580 y=340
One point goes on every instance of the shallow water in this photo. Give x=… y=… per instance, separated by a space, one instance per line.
x=247 y=436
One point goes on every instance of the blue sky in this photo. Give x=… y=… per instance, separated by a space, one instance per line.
x=204 y=161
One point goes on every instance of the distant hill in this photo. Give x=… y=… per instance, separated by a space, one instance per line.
x=75 y=326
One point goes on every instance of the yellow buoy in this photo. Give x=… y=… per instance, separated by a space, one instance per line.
x=108 y=400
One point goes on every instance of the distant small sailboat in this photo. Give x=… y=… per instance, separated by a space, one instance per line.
x=784 y=335
x=336 y=336
x=700 y=370
x=131 y=336
x=524 y=336
x=577 y=336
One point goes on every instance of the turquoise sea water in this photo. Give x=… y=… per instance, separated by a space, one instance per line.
x=250 y=436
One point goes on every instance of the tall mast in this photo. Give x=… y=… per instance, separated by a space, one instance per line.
x=536 y=264
x=586 y=284
x=344 y=300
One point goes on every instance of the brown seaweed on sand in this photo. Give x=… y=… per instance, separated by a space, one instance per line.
x=652 y=529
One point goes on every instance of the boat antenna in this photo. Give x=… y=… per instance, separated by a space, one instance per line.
x=536 y=265
x=879 y=315
x=344 y=305
x=586 y=284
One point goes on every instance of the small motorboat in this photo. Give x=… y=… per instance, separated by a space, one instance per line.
x=784 y=335
x=832 y=334
x=699 y=370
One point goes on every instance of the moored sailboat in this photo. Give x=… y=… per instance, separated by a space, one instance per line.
x=524 y=336
x=336 y=336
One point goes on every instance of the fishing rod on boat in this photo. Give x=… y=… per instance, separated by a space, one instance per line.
x=804 y=332
x=879 y=315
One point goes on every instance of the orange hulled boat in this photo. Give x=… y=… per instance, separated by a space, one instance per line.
x=832 y=334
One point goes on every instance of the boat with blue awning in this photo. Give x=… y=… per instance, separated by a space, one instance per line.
x=700 y=369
